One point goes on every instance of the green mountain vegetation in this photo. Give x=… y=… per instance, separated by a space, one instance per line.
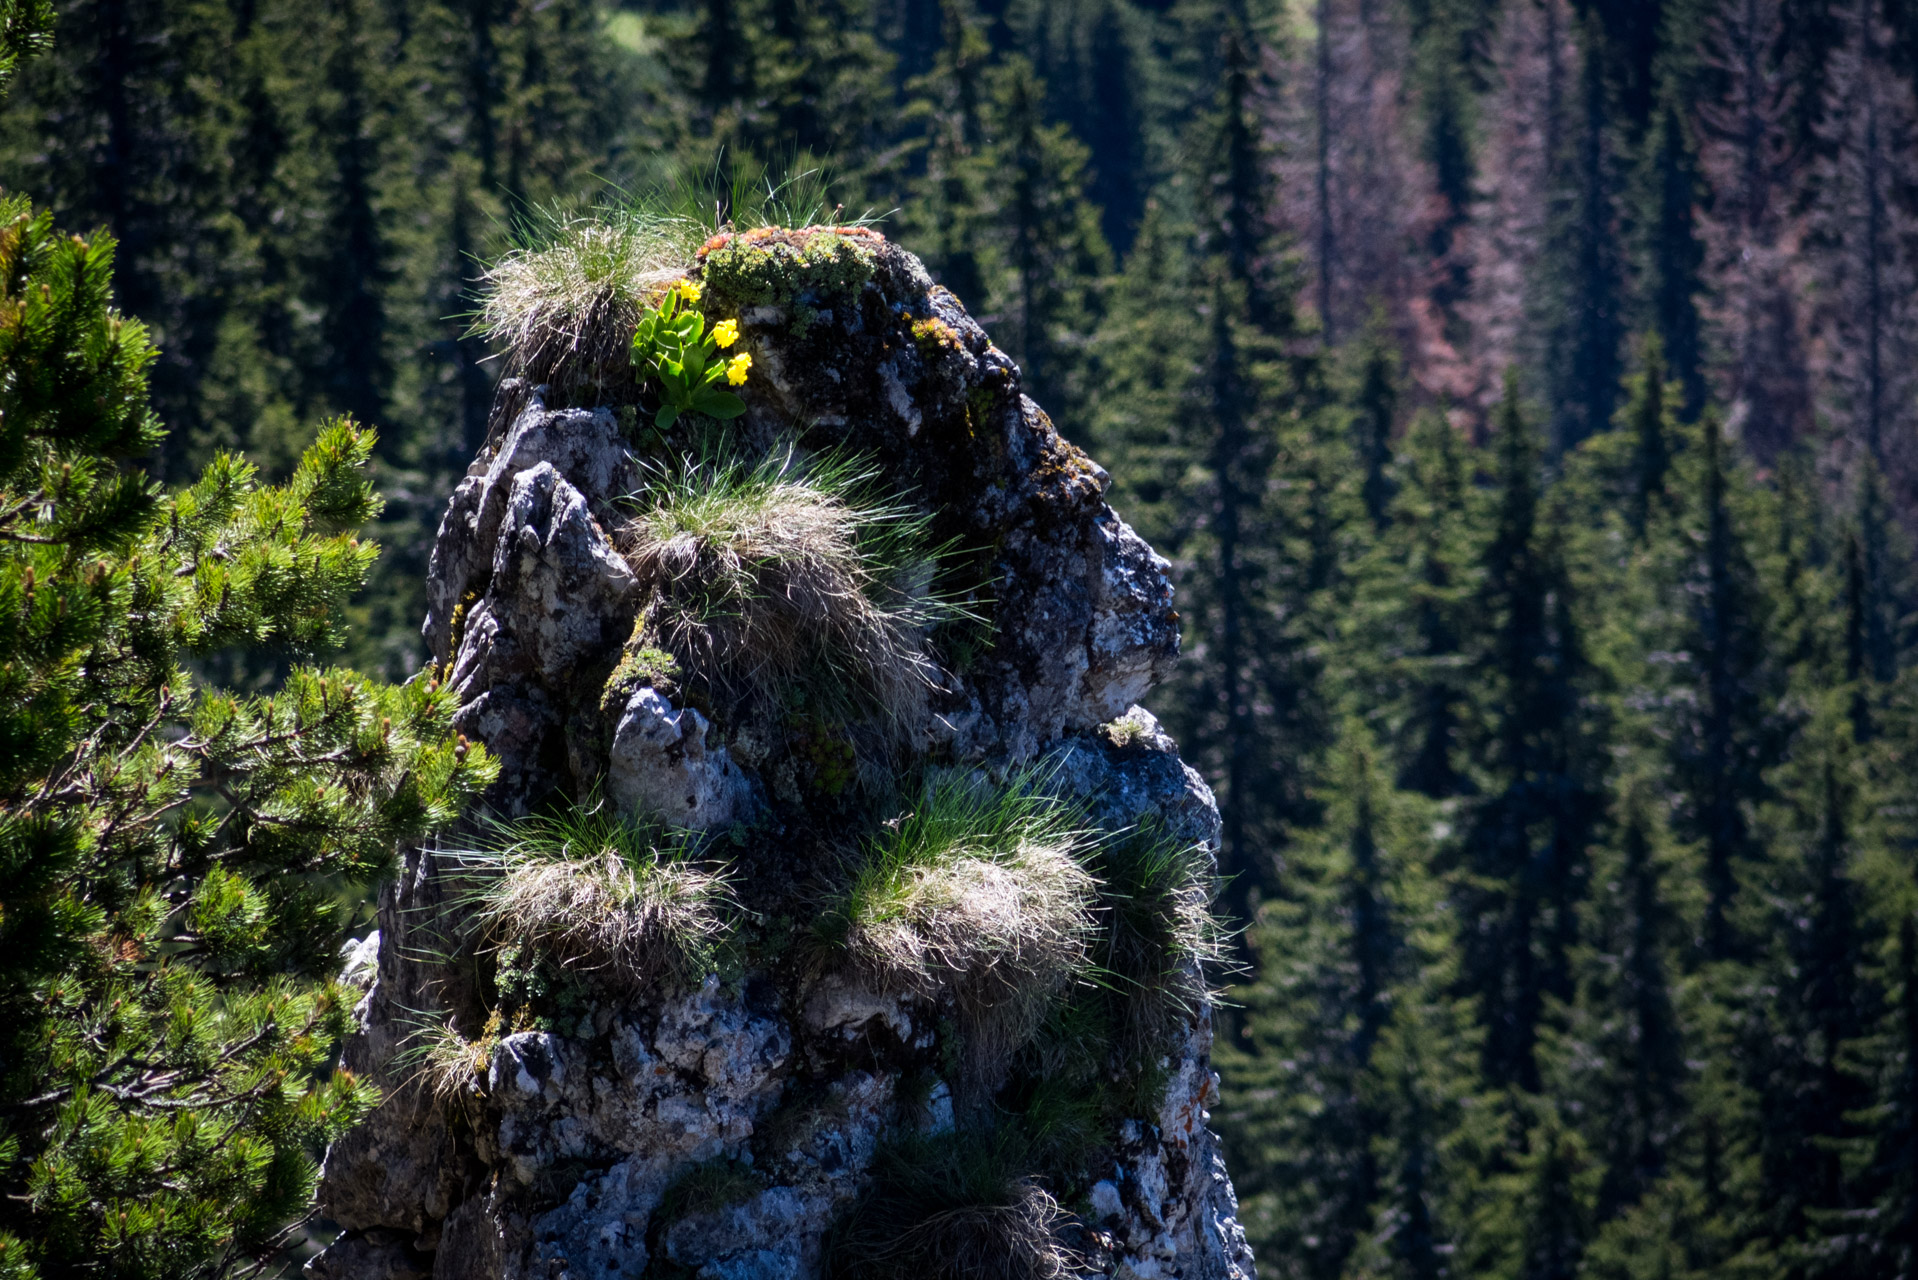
x=1520 y=388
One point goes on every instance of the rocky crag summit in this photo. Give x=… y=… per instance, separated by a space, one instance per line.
x=839 y=912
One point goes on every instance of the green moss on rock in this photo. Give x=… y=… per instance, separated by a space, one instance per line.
x=640 y=666
x=935 y=338
x=774 y=267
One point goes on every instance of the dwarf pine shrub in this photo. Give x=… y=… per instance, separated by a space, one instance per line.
x=590 y=890
x=788 y=578
x=177 y=863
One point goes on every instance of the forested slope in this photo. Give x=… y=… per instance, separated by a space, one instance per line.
x=1522 y=391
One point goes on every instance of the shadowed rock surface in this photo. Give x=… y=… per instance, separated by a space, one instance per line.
x=579 y=1152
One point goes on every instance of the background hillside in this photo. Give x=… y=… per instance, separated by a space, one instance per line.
x=1524 y=392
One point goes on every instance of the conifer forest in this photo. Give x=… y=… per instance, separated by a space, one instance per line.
x=1523 y=392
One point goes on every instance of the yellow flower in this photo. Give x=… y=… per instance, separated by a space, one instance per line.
x=726 y=332
x=688 y=292
x=736 y=368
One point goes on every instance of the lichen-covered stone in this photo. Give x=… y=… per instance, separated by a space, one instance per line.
x=784 y=1071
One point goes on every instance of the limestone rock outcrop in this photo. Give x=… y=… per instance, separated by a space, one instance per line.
x=721 y=1124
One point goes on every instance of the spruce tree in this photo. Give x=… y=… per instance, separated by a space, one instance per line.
x=1528 y=838
x=771 y=80
x=1450 y=42
x=1582 y=287
x=1800 y=1048
x=1412 y=612
x=1336 y=948
x=1627 y=1020
x=1053 y=252
x=177 y=863
x=1894 y=1121
x=1730 y=732
x=947 y=218
x=1251 y=482
x=1673 y=255
x=1553 y=1205
x=352 y=245
x=1371 y=397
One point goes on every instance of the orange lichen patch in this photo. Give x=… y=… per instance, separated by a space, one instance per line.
x=797 y=237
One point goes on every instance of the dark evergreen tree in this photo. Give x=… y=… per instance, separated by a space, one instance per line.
x=1412 y=612
x=1672 y=257
x=1554 y=1206
x=1894 y=1122
x=1245 y=407
x=1371 y=397
x=110 y=129
x=1107 y=82
x=1525 y=851
x=1335 y=947
x=1731 y=732
x=1449 y=69
x=353 y=257
x=1582 y=287
x=1627 y=1017
x=947 y=221
x=1053 y=253
x=1799 y=1047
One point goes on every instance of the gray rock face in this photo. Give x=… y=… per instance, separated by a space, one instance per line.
x=726 y=1123
x=661 y=764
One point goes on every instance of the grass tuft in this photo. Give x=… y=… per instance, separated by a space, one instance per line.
x=1158 y=935
x=786 y=576
x=447 y=1066
x=563 y=303
x=978 y=892
x=741 y=192
x=950 y=1209
x=598 y=892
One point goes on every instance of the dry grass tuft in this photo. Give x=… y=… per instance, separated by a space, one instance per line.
x=950 y=1210
x=978 y=892
x=448 y=1067
x=788 y=577
x=564 y=304
x=599 y=893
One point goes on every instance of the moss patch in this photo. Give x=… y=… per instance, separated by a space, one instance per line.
x=828 y=756
x=640 y=666
x=796 y=269
x=935 y=338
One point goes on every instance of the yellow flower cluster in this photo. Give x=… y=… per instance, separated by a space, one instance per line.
x=725 y=333
x=737 y=366
x=688 y=291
